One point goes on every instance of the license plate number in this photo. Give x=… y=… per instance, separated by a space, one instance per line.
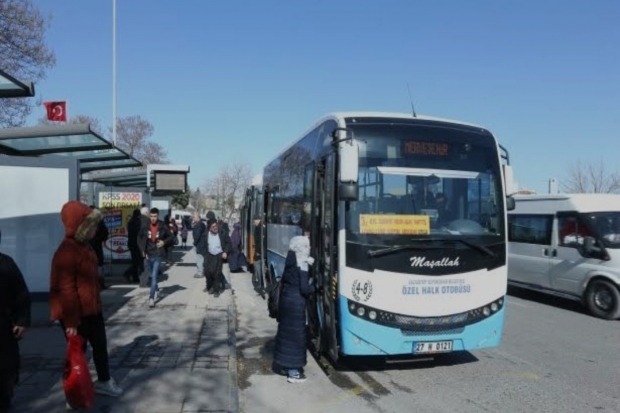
x=428 y=347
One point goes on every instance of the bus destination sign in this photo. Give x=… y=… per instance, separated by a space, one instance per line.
x=416 y=148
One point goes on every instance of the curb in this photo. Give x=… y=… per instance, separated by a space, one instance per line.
x=232 y=348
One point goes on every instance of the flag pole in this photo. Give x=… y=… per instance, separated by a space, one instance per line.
x=114 y=72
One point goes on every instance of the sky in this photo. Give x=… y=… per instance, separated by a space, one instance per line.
x=238 y=81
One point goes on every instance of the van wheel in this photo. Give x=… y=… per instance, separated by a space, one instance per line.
x=603 y=299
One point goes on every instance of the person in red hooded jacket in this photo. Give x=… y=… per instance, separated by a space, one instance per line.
x=75 y=291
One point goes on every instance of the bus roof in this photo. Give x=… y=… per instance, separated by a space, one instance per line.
x=396 y=115
x=567 y=202
x=339 y=117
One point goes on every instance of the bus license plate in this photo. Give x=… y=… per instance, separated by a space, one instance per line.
x=432 y=347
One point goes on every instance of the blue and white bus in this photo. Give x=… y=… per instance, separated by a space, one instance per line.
x=407 y=221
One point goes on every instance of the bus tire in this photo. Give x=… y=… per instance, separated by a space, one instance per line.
x=602 y=298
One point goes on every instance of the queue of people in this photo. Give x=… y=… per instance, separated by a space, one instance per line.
x=76 y=284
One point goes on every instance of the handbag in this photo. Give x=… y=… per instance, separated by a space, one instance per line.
x=76 y=380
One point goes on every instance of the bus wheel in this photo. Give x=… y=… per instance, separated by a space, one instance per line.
x=603 y=299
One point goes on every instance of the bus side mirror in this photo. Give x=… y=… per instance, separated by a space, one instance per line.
x=510 y=203
x=349 y=169
x=589 y=245
x=509 y=181
x=348 y=192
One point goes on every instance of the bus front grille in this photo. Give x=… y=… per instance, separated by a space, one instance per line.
x=413 y=333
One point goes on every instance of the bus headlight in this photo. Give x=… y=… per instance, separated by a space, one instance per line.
x=372 y=315
x=494 y=307
x=361 y=311
x=486 y=311
x=352 y=307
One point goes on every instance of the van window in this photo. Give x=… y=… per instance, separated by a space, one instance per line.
x=530 y=229
x=571 y=231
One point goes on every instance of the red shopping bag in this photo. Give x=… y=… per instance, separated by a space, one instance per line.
x=76 y=380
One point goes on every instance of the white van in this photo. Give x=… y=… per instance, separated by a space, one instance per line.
x=179 y=216
x=568 y=245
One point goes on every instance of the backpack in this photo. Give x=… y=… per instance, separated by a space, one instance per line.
x=273 y=300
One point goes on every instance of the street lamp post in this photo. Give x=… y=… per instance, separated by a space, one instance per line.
x=114 y=72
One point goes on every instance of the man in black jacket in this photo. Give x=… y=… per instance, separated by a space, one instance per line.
x=152 y=240
x=217 y=245
x=14 y=320
x=198 y=231
x=97 y=242
x=137 y=262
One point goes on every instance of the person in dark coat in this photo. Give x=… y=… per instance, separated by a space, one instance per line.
x=237 y=259
x=217 y=249
x=14 y=320
x=290 y=347
x=97 y=242
x=199 y=228
x=145 y=222
x=259 y=231
x=223 y=226
x=133 y=229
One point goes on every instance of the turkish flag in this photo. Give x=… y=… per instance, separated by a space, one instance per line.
x=56 y=111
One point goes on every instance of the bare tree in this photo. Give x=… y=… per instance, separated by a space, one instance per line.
x=95 y=124
x=23 y=54
x=133 y=134
x=229 y=186
x=214 y=191
x=591 y=177
x=197 y=200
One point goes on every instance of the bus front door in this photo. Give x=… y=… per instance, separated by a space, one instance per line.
x=323 y=240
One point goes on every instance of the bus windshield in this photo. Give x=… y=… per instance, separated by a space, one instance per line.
x=426 y=181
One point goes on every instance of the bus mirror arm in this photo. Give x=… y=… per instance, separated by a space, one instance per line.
x=337 y=136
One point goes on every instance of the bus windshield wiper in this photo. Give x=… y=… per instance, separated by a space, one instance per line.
x=470 y=244
x=396 y=248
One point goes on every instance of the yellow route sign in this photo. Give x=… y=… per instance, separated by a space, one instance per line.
x=395 y=224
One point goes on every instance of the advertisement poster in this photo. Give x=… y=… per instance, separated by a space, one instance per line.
x=117 y=208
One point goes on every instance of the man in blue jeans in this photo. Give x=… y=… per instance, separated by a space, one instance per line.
x=154 y=238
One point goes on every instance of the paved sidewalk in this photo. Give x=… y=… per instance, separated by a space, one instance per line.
x=177 y=357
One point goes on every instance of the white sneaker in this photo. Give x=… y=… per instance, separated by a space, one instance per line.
x=108 y=388
x=151 y=302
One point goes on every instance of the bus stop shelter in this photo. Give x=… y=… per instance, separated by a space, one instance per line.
x=13 y=88
x=158 y=179
x=69 y=141
x=41 y=169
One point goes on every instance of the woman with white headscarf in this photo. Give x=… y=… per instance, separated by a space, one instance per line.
x=290 y=346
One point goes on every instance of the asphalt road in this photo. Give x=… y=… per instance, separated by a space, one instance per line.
x=553 y=358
